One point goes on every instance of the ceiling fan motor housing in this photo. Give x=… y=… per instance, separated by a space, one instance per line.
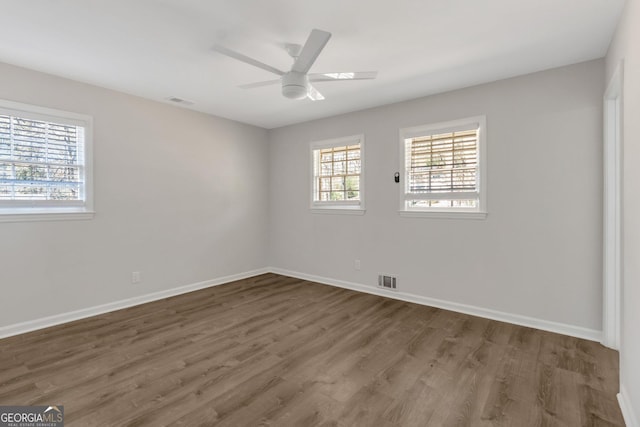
x=295 y=85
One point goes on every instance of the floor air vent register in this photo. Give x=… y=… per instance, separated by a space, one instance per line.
x=387 y=282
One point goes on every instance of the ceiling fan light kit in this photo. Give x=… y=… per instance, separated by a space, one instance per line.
x=295 y=85
x=296 y=82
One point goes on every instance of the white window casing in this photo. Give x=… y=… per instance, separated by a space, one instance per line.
x=45 y=164
x=443 y=169
x=337 y=175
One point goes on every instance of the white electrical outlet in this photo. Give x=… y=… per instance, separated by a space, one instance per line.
x=356 y=264
x=136 y=277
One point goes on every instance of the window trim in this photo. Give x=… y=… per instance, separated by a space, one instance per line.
x=36 y=210
x=336 y=207
x=443 y=127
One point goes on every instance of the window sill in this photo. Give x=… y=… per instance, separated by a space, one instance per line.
x=443 y=214
x=24 y=215
x=342 y=210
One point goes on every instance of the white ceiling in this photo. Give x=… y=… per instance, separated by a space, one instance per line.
x=162 y=48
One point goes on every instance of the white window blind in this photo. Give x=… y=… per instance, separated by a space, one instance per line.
x=442 y=167
x=43 y=164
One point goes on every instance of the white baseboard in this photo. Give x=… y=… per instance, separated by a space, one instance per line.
x=531 y=322
x=630 y=418
x=45 y=322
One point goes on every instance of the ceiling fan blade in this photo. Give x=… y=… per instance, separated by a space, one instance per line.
x=313 y=94
x=310 y=51
x=240 y=57
x=260 y=84
x=330 y=77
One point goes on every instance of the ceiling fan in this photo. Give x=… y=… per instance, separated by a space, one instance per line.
x=296 y=83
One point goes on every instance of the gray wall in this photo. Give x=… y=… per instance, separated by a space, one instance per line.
x=626 y=46
x=537 y=254
x=179 y=195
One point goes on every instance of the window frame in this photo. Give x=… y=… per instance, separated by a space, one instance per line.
x=337 y=207
x=480 y=211
x=48 y=210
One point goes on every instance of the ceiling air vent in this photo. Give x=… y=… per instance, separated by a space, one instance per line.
x=387 y=282
x=180 y=101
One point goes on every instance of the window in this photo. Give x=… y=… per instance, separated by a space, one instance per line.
x=337 y=175
x=45 y=163
x=443 y=168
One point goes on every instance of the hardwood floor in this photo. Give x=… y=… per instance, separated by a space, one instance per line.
x=278 y=351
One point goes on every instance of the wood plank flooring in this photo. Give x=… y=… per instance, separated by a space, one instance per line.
x=278 y=351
